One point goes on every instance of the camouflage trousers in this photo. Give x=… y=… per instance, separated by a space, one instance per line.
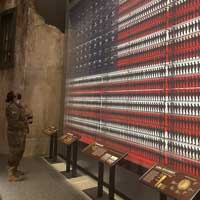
x=16 y=142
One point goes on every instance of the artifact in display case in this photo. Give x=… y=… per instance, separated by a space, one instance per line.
x=69 y=138
x=104 y=154
x=50 y=130
x=171 y=183
x=71 y=142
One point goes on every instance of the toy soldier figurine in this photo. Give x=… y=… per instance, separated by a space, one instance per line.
x=17 y=130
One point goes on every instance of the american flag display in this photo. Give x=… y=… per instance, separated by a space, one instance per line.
x=135 y=79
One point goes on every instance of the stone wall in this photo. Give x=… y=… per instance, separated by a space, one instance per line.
x=6 y=4
x=6 y=84
x=38 y=75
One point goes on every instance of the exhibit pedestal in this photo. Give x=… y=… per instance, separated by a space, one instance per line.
x=100 y=179
x=52 y=132
x=71 y=142
x=112 y=182
x=111 y=158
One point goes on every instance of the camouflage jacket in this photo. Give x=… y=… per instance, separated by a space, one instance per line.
x=16 y=117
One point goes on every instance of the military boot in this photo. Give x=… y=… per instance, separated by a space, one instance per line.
x=12 y=175
x=14 y=178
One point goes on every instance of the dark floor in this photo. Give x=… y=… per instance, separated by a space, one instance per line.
x=127 y=182
x=42 y=183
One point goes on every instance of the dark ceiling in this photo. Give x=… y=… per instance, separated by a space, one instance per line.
x=53 y=11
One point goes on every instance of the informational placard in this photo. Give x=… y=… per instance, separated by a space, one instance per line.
x=104 y=154
x=50 y=130
x=171 y=183
x=68 y=138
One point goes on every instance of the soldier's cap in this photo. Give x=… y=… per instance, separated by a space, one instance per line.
x=10 y=96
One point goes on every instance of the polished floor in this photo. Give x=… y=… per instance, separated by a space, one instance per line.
x=42 y=183
x=45 y=182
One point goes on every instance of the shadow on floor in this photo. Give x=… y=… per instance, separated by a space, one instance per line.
x=42 y=183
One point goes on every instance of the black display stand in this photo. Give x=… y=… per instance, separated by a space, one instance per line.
x=111 y=158
x=163 y=196
x=100 y=179
x=71 y=142
x=112 y=182
x=171 y=183
x=111 y=186
x=52 y=132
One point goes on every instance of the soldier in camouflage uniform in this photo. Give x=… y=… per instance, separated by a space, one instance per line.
x=17 y=131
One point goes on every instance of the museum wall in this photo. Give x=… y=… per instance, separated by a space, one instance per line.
x=6 y=84
x=38 y=75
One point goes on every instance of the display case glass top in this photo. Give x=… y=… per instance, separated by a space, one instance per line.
x=171 y=183
x=50 y=130
x=69 y=138
x=104 y=154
